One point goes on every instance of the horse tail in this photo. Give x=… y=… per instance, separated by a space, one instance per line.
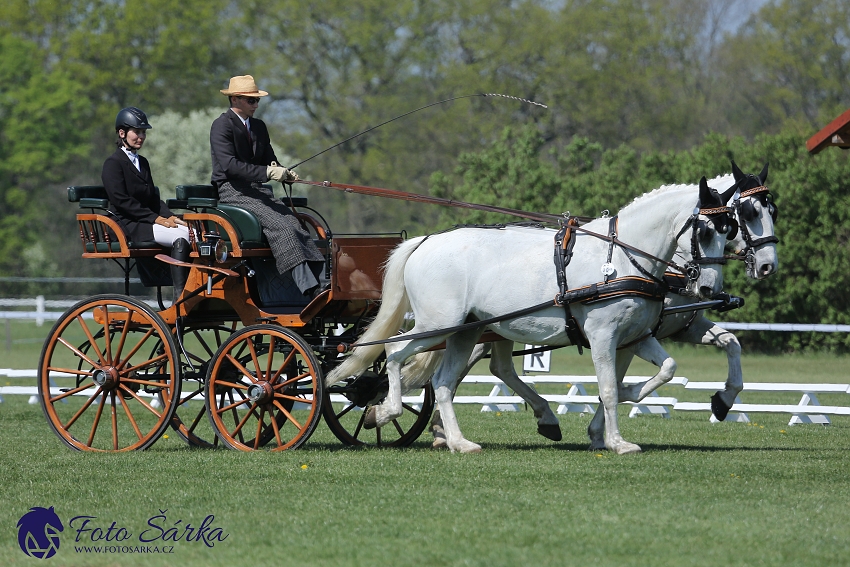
x=420 y=369
x=388 y=321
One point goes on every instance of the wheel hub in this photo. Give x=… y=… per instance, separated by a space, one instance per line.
x=107 y=378
x=260 y=393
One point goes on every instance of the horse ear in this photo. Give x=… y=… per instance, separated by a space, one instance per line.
x=763 y=174
x=705 y=196
x=728 y=194
x=736 y=171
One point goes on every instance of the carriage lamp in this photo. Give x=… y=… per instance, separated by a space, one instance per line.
x=213 y=247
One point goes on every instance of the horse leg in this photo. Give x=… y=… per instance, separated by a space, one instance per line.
x=651 y=351
x=596 y=428
x=502 y=366
x=705 y=332
x=478 y=352
x=605 y=361
x=458 y=348
x=391 y=408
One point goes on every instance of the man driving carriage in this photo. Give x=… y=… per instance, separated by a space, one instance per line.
x=242 y=159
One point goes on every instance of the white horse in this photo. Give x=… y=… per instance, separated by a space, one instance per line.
x=475 y=275
x=755 y=241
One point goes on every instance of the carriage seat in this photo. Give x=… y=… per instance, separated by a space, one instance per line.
x=204 y=199
x=100 y=231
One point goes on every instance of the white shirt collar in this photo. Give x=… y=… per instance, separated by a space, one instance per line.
x=133 y=156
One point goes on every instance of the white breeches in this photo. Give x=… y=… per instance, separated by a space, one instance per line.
x=165 y=236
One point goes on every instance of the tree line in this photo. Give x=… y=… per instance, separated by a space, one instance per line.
x=635 y=89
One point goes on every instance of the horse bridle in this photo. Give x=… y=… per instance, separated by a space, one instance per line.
x=724 y=222
x=745 y=212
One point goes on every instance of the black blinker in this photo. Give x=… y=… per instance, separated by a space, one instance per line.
x=748 y=212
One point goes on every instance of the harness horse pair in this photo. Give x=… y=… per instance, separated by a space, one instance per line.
x=460 y=277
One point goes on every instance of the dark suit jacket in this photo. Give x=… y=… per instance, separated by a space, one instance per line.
x=132 y=195
x=234 y=158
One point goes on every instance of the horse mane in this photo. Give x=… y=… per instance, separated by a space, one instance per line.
x=720 y=182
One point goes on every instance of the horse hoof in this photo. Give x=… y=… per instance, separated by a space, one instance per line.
x=466 y=446
x=439 y=443
x=552 y=432
x=370 y=421
x=598 y=447
x=627 y=448
x=719 y=407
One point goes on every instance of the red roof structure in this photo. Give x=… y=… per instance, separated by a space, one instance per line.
x=837 y=133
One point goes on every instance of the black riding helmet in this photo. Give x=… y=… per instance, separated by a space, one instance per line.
x=131 y=117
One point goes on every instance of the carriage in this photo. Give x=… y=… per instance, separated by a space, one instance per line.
x=238 y=359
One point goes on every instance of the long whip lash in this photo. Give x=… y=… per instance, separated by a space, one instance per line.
x=417 y=110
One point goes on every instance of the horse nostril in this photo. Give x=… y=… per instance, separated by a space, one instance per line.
x=766 y=269
x=706 y=291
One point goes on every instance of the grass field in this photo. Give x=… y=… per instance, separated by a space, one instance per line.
x=700 y=494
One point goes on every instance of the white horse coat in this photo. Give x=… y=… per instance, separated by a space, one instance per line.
x=451 y=278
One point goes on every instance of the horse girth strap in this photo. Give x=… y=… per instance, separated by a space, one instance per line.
x=626 y=286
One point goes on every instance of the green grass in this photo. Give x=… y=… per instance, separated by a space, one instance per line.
x=700 y=494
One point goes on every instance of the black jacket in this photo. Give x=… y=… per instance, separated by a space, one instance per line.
x=234 y=158
x=132 y=195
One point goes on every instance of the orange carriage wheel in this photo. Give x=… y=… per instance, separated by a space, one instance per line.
x=104 y=368
x=197 y=346
x=264 y=388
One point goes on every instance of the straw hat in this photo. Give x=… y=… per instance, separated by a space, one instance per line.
x=243 y=85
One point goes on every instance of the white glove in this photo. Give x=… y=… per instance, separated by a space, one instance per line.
x=276 y=172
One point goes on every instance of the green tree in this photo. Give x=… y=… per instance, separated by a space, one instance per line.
x=37 y=146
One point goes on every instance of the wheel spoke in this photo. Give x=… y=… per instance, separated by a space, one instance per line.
x=144 y=382
x=254 y=359
x=398 y=427
x=96 y=419
x=136 y=348
x=233 y=385
x=276 y=431
x=291 y=380
x=241 y=368
x=359 y=425
x=294 y=398
x=92 y=340
x=114 y=413
x=260 y=428
x=345 y=410
x=124 y=330
x=70 y=392
x=283 y=366
x=83 y=409
x=76 y=351
x=108 y=338
x=130 y=415
x=411 y=409
x=287 y=414
x=146 y=364
x=197 y=419
x=271 y=356
x=69 y=371
x=203 y=343
x=144 y=403
x=194 y=394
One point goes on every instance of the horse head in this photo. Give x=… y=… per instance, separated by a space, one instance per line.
x=756 y=214
x=702 y=239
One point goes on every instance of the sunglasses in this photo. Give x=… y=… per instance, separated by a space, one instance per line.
x=250 y=99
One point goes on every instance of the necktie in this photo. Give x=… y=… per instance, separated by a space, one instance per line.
x=250 y=138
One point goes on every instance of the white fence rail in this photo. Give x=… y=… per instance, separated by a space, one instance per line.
x=41 y=313
x=577 y=400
